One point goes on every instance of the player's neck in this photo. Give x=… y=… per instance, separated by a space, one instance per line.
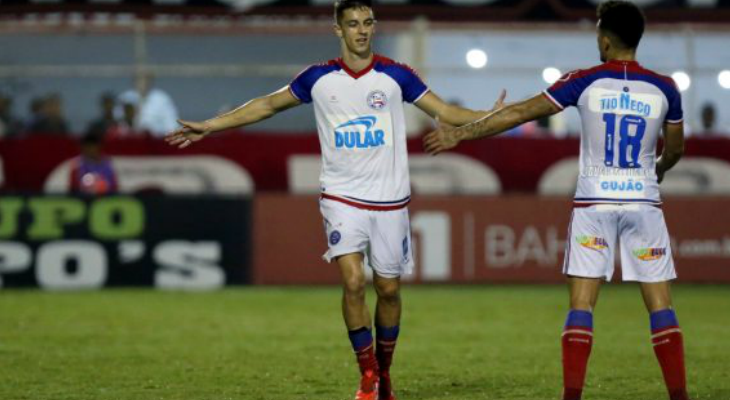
x=357 y=62
x=622 y=56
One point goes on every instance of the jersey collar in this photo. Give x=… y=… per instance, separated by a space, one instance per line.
x=362 y=72
x=624 y=63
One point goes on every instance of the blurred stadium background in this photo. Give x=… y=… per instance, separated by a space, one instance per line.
x=493 y=211
x=240 y=208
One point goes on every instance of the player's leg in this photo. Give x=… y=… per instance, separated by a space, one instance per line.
x=357 y=318
x=588 y=260
x=347 y=233
x=354 y=309
x=387 y=328
x=390 y=256
x=646 y=258
x=577 y=337
x=666 y=338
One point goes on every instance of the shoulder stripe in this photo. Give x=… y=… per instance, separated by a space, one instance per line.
x=412 y=87
x=301 y=86
x=552 y=99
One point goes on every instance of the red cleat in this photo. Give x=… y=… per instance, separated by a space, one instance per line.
x=386 y=388
x=368 y=386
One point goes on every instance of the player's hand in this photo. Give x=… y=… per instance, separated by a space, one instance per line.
x=440 y=140
x=188 y=133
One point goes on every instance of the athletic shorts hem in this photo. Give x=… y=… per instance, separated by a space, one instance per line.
x=604 y=277
x=330 y=255
x=648 y=280
x=385 y=271
x=386 y=274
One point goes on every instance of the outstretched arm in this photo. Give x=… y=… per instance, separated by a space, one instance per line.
x=253 y=111
x=452 y=114
x=673 y=149
x=496 y=122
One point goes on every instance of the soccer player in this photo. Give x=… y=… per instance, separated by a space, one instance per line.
x=358 y=104
x=623 y=107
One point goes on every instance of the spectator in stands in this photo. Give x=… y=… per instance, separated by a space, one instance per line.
x=92 y=172
x=36 y=114
x=156 y=112
x=49 y=118
x=106 y=121
x=9 y=125
x=708 y=118
x=127 y=125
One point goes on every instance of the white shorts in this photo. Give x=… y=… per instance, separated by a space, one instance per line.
x=594 y=232
x=384 y=237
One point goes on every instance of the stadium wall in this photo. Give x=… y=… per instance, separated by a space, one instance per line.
x=227 y=212
x=509 y=239
x=205 y=243
x=519 y=164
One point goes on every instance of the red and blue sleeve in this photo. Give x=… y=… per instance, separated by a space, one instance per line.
x=301 y=86
x=675 y=115
x=408 y=80
x=567 y=90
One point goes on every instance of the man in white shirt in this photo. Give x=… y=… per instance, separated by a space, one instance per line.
x=358 y=103
x=156 y=112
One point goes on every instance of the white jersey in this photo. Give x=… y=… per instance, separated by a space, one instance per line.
x=623 y=108
x=362 y=129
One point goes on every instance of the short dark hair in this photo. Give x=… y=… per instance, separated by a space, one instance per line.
x=624 y=20
x=342 y=5
x=93 y=137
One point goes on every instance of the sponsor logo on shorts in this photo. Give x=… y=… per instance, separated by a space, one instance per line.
x=405 y=248
x=592 y=242
x=335 y=237
x=377 y=100
x=650 y=254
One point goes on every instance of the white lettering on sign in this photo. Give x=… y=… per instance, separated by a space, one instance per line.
x=507 y=248
x=71 y=265
x=434 y=247
x=189 y=265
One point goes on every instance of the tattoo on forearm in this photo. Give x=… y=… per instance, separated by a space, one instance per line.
x=479 y=129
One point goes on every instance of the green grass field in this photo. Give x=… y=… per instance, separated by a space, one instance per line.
x=470 y=342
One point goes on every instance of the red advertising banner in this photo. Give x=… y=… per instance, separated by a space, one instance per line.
x=519 y=163
x=481 y=239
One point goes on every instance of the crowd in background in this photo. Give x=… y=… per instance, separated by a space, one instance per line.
x=149 y=111
x=142 y=111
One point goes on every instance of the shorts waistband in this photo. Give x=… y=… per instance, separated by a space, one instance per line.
x=367 y=205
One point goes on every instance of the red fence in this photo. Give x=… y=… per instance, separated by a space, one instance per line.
x=519 y=163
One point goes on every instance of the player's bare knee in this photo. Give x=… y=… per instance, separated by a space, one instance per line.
x=354 y=286
x=388 y=293
x=387 y=289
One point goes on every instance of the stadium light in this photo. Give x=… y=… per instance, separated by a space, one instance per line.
x=476 y=58
x=723 y=78
x=551 y=75
x=682 y=79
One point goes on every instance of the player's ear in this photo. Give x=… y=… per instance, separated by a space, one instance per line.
x=338 y=29
x=606 y=44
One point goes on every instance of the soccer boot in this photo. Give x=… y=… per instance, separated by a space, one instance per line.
x=385 y=388
x=368 y=386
